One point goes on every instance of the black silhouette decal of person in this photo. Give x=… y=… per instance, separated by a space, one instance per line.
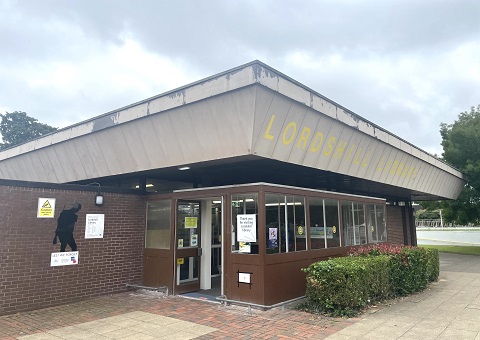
x=66 y=223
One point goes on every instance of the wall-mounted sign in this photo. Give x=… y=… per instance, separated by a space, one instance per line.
x=46 y=208
x=64 y=259
x=180 y=260
x=246 y=228
x=190 y=222
x=94 y=225
x=244 y=277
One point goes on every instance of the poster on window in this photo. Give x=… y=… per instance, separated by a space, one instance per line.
x=246 y=228
x=194 y=240
x=190 y=222
x=94 y=225
x=272 y=237
x=244 y=247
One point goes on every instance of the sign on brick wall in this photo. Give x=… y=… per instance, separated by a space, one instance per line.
x=64 y=259
x=46 y=207
x=94 y=225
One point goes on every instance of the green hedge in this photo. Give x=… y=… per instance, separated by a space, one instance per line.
x=343 y=286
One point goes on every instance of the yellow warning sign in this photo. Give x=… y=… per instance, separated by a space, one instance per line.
x=180 y=260
x=46 y=208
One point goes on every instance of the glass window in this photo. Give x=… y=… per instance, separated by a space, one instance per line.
x=353 y=219
x=245 y=210
x=188 y=221
x=296 y=236
x=377 y=228
x=285 y=223
x=331 y=223
x=317 y=223
x=324 y=230
x=275 y=223
x=158 y=224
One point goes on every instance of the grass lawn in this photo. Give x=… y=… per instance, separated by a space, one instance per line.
x=468 y=250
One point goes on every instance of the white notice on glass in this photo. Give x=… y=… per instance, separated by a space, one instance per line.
x=247 y=228
x=94 y=225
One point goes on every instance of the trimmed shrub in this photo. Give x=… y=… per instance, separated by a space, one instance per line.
x=408 y=271
x=433 y=264
x=343 y=286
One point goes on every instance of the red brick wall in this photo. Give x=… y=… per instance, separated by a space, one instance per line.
x=27 y=281
x=394 y=224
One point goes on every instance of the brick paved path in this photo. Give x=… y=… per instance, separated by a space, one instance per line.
x=232 y=322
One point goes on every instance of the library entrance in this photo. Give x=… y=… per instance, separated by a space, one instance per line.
x=198 y=246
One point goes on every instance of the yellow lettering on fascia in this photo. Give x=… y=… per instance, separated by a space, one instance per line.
x=267 y=134
x=329 y=148
x=414 y=174
x=405 y=171
x=356 y=160
x=410 y=171
x=380 y=164
x=400 y=169
x=304 y=137
x=317 y=142
x=365 y=159
x=350 y=152
x=340 y=148
x=291 y=125
x=389 y=164
x=394 y=167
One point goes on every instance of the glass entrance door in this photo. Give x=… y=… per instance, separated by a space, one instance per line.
x=188 y=249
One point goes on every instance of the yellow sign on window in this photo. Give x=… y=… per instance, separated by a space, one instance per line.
x=180 y=260
x=190 y=222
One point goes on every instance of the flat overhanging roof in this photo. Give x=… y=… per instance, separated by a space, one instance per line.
x=244 y=119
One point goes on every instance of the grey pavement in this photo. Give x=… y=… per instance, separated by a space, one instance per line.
x=448 y=309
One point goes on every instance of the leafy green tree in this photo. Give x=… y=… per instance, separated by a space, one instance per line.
x=461 y=148
x=17 y=128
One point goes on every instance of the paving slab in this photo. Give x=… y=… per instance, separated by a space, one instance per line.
x=447 y=309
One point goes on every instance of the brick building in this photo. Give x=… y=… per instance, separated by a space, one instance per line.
x=226 y=186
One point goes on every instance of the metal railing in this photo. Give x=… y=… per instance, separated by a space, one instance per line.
x=439 y=223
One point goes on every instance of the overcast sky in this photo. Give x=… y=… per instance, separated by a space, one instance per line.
x=406 y=65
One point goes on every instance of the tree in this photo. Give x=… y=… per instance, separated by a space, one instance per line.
x=461 y=148
x=17 y=128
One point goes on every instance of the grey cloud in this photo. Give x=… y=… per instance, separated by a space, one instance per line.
x=212 y=36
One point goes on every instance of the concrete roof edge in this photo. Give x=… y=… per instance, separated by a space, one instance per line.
x=141 y=109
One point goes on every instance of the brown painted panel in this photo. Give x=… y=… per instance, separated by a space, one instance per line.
x=284 y=281
x=242 y=291
x=247 y=259
x=158 y=268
